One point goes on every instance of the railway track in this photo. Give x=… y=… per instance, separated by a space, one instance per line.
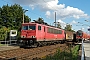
x=30 y=54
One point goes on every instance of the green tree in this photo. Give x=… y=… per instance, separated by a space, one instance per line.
x=68 y=27
x=4 y=32
x=58 y=25
x=40 y=20
x=11 y=17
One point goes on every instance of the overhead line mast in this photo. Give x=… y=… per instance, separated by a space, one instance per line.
x=55 y=19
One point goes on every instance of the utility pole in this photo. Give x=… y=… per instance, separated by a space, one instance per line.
x=55 y=19
x=24 y=13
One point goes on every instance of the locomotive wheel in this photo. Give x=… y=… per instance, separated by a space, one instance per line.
x=62 y=41
x=36 y=44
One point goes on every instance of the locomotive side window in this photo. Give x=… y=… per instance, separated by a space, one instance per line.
x=49 y=30
x=54 y=31
x=57 y=31
x=32 y=27
x=39 y=27
x=24 y=27
x=60 y=31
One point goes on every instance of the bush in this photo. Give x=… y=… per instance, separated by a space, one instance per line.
x=4 y=33
x=75 y=52
x=71 y=54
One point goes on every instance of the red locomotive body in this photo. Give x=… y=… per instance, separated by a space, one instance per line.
x=88 y=36
x=33 y=33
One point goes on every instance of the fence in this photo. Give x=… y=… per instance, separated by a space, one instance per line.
x=13 y=38
x=9 y=42
x=83 y=53
x=6 y=42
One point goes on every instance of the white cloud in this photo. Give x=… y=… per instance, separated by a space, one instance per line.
x=32 y=6
x=63 y=24
x=73 y=22
x=82 y=28
x=48 y=14
x=63 y=11
x=88 y=27
x=71 y=12
x=76 y=16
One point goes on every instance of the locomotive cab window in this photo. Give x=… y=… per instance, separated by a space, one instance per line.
x=32 y=27
x=24 y=27
x=39 y=27
x=79 y=34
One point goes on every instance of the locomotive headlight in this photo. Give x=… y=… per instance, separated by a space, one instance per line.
x=32 y=36
x=23 y=36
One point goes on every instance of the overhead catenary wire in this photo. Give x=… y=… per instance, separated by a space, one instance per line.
x=34 y=2
x=31 y=11
x=6 y=2
x=55 y=11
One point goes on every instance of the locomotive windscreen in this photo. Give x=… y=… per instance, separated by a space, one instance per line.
x=24 y=27
x=79 y=33
x=29 y=27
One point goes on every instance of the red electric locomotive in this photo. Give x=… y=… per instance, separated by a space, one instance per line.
x=81 y=35
x=34 y=34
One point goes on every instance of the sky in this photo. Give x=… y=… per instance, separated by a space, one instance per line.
x=73 y=12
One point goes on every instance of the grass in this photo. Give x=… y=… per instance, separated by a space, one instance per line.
x=71 y=54
x=2 y=44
